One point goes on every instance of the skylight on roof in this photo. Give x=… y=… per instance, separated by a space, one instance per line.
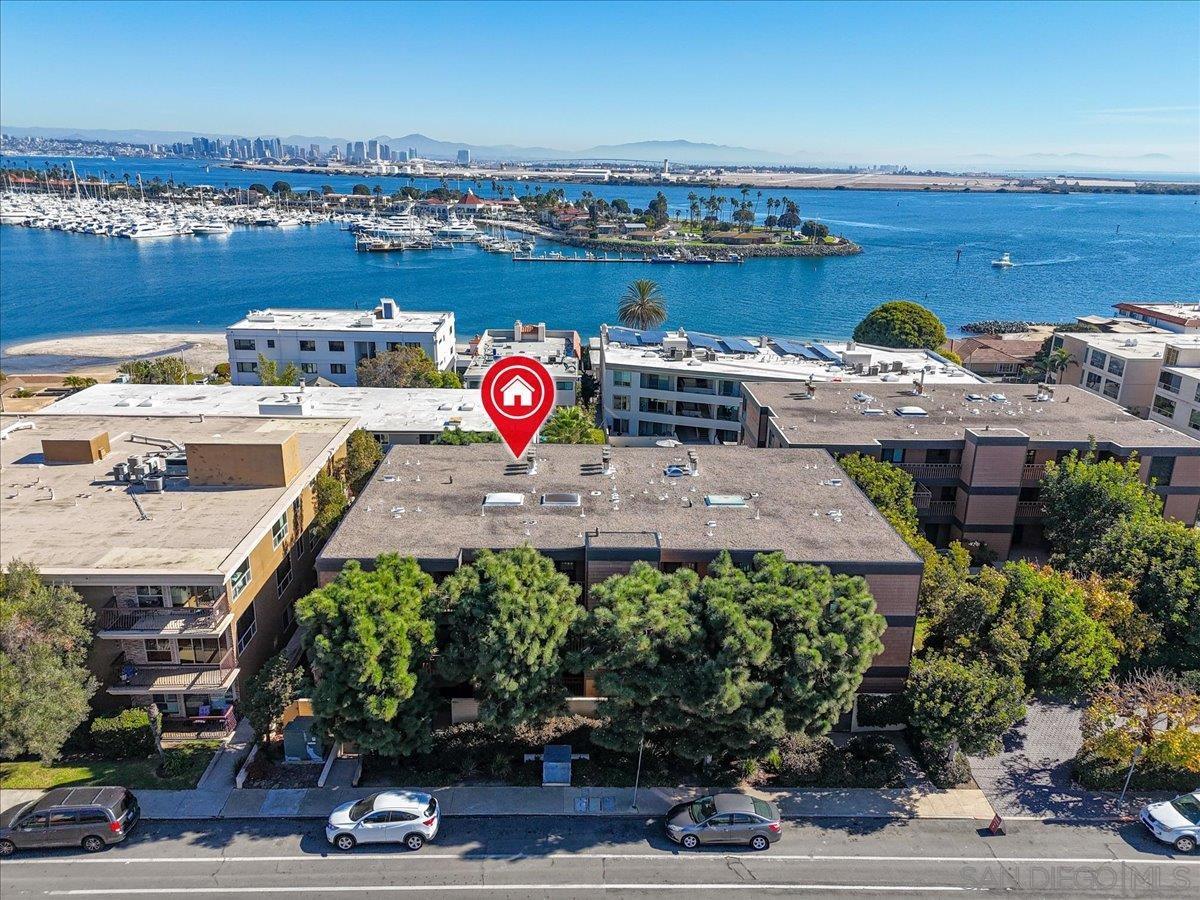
x=725 y=501
x=911 y=412
x=561 y=500
x=503 y=499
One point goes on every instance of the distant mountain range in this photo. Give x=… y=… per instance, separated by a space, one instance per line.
x=679 y=150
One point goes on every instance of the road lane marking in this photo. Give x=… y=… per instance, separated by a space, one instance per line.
x=494 y=888
x=533 y=857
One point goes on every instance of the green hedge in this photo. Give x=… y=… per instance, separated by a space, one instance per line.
x=868 y=761
x=1099 y=773
x=882 y=710
x=124 y=736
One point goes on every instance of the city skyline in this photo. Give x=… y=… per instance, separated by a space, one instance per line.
x=979 y=85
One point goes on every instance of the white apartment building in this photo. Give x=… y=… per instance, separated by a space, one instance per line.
x=687 y=385
x=1123 y=367
x=558 y=350
x=328 y=343
x=1177 y=391
x=1181 y=318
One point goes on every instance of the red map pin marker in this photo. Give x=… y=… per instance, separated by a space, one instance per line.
x=518 y=394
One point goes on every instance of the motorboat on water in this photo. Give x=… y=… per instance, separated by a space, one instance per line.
x=211 y=227
x=456 y=229
x=1004 y=262
x=141 y=230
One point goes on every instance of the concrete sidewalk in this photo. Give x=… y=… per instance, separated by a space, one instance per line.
x=316 y=803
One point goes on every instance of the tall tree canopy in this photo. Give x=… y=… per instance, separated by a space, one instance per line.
x=642 y=306
x=403 y=368
x=572 y=425
x=369 y=636
x=902 y=324
x=507 y=615
x=270 y=374
x=45 y=685
x=722 y=663
x=963 y=701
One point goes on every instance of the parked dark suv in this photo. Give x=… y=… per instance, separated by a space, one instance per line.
x=87 y=817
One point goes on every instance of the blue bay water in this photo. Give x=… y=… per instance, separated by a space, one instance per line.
x=1071 y=260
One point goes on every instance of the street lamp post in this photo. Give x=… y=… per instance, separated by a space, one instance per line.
x=638 y=777
x=1137 y=752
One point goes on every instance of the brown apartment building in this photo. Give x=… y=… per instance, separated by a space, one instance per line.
x=977 y=454
x=596 y=512
x=190 y=537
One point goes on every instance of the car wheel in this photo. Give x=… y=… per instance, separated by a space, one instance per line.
x=7 y=848
x=93 y=844
x=758 y=842
x=344 y=842
x=414 y=841
x=1185 y=844
x=690 y=841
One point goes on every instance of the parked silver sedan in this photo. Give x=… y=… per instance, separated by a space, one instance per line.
x=724 y=819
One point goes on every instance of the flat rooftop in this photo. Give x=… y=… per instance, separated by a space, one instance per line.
x=564 y=365
x=770 y=358
x=428 y=502
x=834 y=417
x=414 y=410
x=76 y=520
x=1139 y=346
x=1179 y=312
x=341 y=320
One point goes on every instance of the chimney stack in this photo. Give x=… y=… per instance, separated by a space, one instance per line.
x=693 y=463
x=531 y=463
x=606 y=460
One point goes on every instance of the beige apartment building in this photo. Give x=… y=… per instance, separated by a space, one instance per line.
x=190 y=537
x=978 y=456
x=596 y=511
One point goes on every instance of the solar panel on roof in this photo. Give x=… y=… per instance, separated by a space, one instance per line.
x=738 y=345
x=653 y=337
x=624 y=336
x=793 y=348
x=708 y=342
x=826 y=354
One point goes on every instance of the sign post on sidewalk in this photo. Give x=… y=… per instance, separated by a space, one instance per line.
x=1137 y=753
x=638 y=776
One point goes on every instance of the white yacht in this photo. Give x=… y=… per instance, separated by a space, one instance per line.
x=150 y=230
x=212 y=226
x=456 y=229
x=1004 y=262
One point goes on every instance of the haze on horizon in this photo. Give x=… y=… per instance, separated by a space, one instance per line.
x=1089 y=86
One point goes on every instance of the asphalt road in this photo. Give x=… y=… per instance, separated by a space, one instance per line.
x=541 y=857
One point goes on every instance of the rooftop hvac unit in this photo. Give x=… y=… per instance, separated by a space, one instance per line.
x=154 y=484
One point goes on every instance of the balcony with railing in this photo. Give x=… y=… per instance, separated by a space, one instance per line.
x=932 y=471
x=938 y=509
x=114 y=621
x=1031 y=509
x=922 y=496
x=168 y=678
x=1032 y=473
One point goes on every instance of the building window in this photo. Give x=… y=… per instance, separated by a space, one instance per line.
x=247 y=367
x=1169 y=382
x=337 y=369
x=654 y=429
x=1116 y=367
x=168 y=705
x=892 y=454
x=308 y=346
x=308 y=368
x=149 y=596
x=1171 y=356
x=199 y=651
x=1198 y=392
x=279 y=531
x=1097 y=359
x=620 y=402
x=1092 y=382
x=241 y=577
x=564 y=385
x=283 y=575
x=270 y=343
x=1164 y=406
x=1030 y=457
x=337 y=346
x=159 y=650
x=192 y=596
x=619 y=426
x=1161 y=469
x=244 y=344
x=1111 y=388
x=1194 y=420
x=246 y=628
x=730 y=388
x=621 y=378
x=657 y=407
x=382 y=438
x=652 y=382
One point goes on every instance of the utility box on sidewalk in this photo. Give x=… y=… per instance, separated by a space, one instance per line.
x=556 y=765
x=299 y=742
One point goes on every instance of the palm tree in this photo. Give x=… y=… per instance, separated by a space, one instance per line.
x=642 y=306
x=1057 y=361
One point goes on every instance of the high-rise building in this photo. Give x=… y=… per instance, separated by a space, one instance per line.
x=464 y=157
x=258 y=150
x=360 y=152
x=373 y=149
x=402 y=155
x=277 y=148
x=412 y=153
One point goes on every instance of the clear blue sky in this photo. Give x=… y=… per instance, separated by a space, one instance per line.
x=922 y=84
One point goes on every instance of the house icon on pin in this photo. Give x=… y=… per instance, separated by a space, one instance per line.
x=517 y=392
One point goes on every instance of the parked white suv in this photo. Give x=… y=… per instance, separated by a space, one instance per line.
x=393 y=817
x=1175 y=822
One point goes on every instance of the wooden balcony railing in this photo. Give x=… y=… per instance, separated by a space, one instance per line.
x=1032 y=473
x=932 y=471
x=1032 y=509
x=940 y=508
x=922 y=497
x=163 y=620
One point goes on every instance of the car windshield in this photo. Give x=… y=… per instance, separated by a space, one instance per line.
x=431 y=808
x=362 y=807
x=1188 y=807
x=702 y=809
x=763 y=808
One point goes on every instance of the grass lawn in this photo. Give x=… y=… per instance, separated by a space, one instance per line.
x=188 y=766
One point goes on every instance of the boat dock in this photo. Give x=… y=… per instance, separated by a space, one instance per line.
x=557 y=257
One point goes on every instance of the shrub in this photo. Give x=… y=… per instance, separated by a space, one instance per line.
x=186 y=757
x=946 y=766
x=881 y=710
x=864 y=762
x=1096 y=770
x=123 y=736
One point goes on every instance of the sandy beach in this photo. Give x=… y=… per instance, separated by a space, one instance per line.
x=100 y=354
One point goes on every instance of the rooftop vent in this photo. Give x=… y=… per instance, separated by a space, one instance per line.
x=911 y=412
x=725 y=501
x=561 y=500
x=502 y=499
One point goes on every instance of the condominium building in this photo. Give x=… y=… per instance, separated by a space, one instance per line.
x=328 y=344
x=1177 y=395
x=977 y=455
x=1181 y=318
x=687 y=385
x=189 y=536
x=1125 y=368
x=596 y=511
x=558 y=350
x=392 y=415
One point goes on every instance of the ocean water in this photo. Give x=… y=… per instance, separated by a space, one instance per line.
x=1075 y=254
